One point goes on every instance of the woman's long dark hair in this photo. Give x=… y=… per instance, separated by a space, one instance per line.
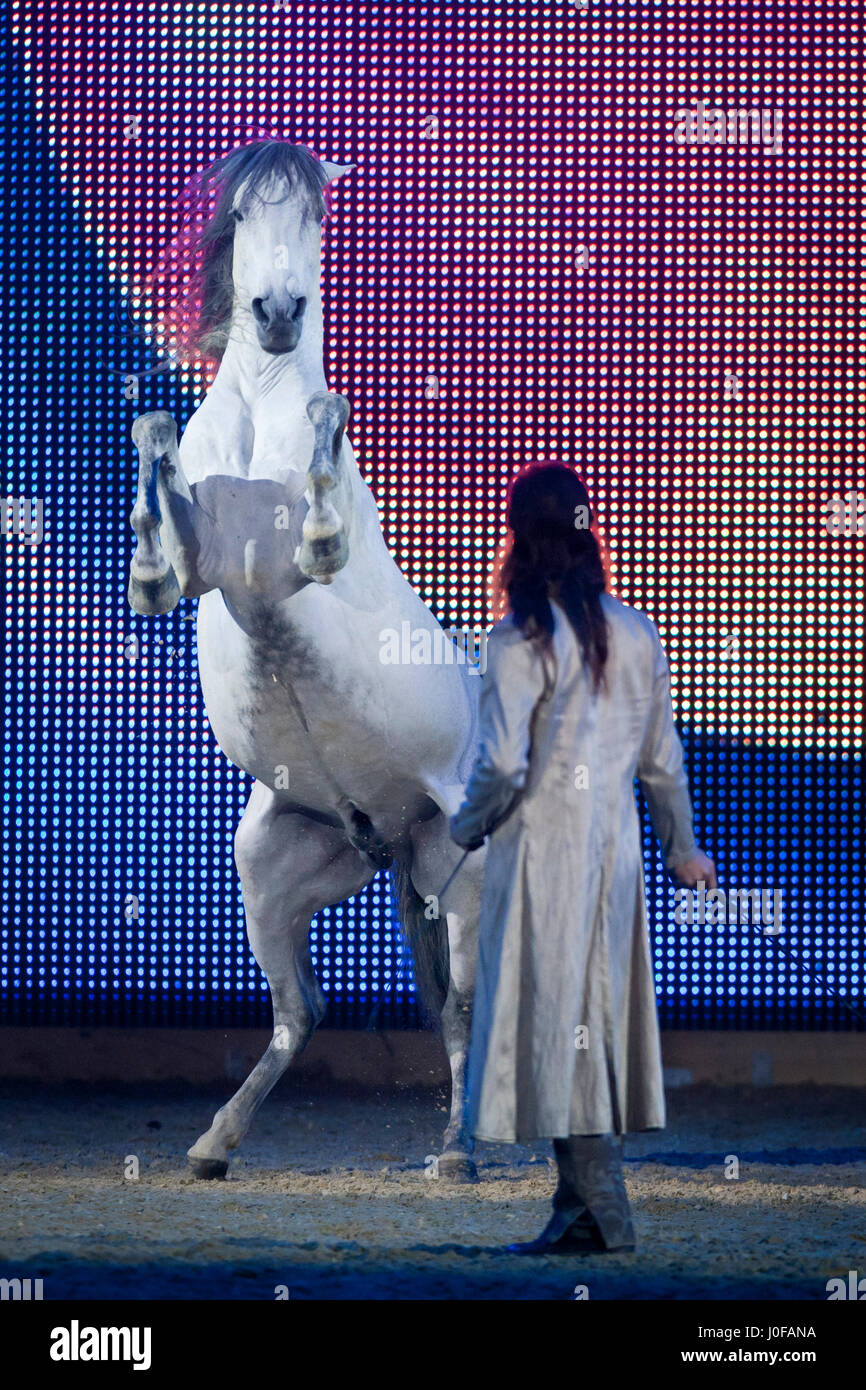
x=554 y=552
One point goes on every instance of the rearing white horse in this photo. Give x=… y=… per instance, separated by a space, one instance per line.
x=263 y=515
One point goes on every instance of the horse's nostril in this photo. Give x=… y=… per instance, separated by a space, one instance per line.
x=274 y=321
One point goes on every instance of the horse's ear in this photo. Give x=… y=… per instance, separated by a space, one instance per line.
x=334 y=171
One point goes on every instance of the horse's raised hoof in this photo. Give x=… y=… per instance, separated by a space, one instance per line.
x=153 y=594
x=328 y=404
x=209 y=1168
x=456 y=1168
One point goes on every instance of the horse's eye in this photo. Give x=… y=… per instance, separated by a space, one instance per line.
x=237 y=215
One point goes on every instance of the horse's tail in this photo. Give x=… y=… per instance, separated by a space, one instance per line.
x=428 y=941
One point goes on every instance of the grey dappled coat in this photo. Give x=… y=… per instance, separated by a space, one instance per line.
x=563 y=939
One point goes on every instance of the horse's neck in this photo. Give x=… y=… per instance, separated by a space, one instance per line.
x=273 y=391
x=264 y=381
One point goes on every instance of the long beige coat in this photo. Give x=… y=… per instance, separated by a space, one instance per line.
x=565 y=1034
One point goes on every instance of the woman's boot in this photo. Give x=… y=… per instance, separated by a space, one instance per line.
x=590 y=1206
x=596 y=1168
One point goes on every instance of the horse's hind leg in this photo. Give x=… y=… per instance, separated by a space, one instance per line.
x=290 y=867
x=434 y=856
x=455 y=1162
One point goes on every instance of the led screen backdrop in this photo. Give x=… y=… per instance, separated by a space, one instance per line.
x=625 y=235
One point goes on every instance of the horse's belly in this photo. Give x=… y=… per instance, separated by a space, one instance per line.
x=338 y=735
x=256 y=729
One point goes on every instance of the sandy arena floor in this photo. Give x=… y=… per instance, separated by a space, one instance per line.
x=328 y=1197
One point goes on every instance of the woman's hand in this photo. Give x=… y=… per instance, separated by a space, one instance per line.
x=699 y=869
x=467 y=844
x=459 y=840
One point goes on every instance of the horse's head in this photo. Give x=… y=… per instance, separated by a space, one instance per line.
x=276 y=256
x=247 y=258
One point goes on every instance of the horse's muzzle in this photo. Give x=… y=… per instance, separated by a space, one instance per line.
x=279 y=328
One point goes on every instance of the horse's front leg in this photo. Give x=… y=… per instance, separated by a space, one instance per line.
x=324 y=547
x=176 y=538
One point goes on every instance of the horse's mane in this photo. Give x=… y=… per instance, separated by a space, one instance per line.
x=190 y=286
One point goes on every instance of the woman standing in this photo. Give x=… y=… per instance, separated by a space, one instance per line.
x=575 y=703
